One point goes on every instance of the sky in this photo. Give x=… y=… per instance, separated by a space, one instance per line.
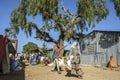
x=111 y=23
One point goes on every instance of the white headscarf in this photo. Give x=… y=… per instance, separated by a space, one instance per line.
x=74 y=45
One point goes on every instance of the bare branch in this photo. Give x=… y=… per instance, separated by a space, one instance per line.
x=65 y=10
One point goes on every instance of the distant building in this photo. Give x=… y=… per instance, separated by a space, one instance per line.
x=98 y=46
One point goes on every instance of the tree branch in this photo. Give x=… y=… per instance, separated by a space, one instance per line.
x=46 y=35
x=65 y=10
x=68 y=26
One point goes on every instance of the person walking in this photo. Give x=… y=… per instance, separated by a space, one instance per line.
x=32 y=57
x=56 y=56
x=75 y=61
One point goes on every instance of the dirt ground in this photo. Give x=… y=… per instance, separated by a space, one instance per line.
x=42 y=72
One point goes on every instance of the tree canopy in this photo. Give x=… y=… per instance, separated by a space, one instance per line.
x=68 y=24
x=29 y=47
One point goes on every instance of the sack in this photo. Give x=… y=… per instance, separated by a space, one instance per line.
x=61 y=62
x=68 y=66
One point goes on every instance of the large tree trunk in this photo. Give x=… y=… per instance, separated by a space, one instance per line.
x=62 y=46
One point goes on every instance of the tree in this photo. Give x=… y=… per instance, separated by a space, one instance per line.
x=117 y=6
x=65 y=22
x=29 y=46
x=10 y=33
x=44 y=48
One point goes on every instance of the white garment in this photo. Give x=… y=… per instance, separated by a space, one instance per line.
x=61 y=62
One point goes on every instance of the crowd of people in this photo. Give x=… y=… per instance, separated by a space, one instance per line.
x=34 y=57
x=70 y=63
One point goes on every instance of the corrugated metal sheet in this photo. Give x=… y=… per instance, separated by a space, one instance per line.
x=98 y=50
x=87 y=59
x=118 y=52
x=94 y=59
x=118 y=58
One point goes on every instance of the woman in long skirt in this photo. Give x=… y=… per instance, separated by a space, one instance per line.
x=75 y=62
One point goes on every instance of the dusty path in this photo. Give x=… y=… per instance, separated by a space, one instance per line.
x=41 y=72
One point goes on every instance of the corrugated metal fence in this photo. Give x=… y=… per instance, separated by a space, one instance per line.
x=94 y=59
x=100 y=59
